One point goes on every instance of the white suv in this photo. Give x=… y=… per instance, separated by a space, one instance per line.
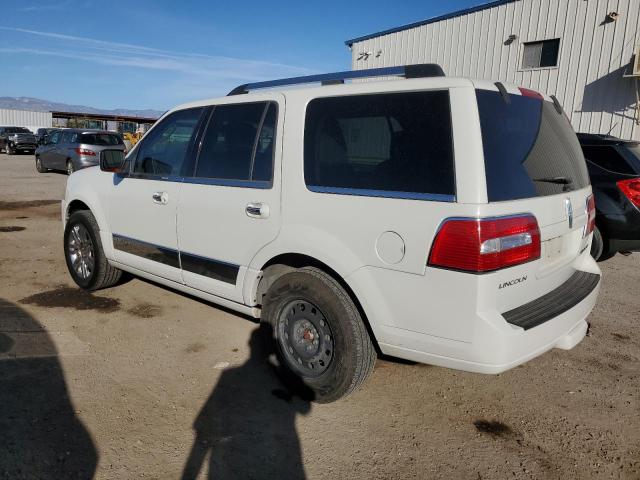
x=440 y=220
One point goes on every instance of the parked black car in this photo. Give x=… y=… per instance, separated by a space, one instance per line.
x=17 y=139
x=614 y=167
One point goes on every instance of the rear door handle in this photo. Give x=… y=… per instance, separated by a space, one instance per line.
x=161 y=198
x=257 y=210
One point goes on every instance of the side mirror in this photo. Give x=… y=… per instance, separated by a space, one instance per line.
x=111 y=160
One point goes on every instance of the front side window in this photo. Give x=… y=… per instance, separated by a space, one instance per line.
x=238 y=143
x=393 y=142
x=164 y=149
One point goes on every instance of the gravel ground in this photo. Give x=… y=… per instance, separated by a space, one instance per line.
x=139 y=381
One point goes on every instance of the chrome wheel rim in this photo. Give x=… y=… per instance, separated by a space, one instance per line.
x=69 y=168
x=38 y=164
x=305 y=338
x=81 y=252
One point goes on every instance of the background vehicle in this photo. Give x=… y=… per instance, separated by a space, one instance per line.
x=42 y=133
x=614 y=167
x=421 y=217
x=17 y=139
x=72 y=149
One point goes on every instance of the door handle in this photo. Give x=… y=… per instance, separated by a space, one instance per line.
x=161 y=198
x=257 y=210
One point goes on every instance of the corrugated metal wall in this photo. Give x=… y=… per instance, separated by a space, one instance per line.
x=24 y=118
x=593 y=56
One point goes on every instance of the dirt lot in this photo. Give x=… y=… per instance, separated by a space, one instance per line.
x=139 y=381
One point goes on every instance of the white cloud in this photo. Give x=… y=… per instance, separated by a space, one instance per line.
x=139 y=56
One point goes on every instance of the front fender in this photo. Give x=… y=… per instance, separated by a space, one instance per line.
x=89 y=187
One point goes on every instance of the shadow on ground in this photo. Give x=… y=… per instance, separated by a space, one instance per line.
x=40 y=435
x=246 y=428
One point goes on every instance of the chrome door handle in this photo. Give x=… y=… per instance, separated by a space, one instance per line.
x=161 y=198
x=257 y=210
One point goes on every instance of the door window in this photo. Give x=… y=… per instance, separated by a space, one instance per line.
x=238 y=143
x=54 y=138
x=164 y=150
x=66 y=137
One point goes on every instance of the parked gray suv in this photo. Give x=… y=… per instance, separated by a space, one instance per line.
x=17 y=139
x=71 y=149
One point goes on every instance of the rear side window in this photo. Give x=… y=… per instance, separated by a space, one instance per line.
x=607 y=157
x=101 y=139
x=394 y=144
x=238 y=143
x=530 y=150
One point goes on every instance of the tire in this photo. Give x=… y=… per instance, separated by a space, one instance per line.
x=82 y=242
x=327 y=348
x=8 y=149
x=599 y=247
x=39 y=166
x=70 y=168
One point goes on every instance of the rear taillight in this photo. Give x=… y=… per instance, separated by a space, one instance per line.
x=486 y=244
x=631 y=190
x=530 y=93
x=591 y=215
x=85 y=152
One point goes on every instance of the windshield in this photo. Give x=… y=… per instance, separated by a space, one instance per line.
x=530 y=150
x=101 y=139
x=18 y=130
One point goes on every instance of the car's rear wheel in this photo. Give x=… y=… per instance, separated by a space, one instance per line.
x=600 y=250
x=70 y=168
x=84 y=254
x=319 y=334
x=8 y=149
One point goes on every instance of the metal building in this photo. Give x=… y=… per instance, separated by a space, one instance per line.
x=580 y=50
x=24 y=118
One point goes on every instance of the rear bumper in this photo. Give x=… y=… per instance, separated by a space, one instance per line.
x=486 y=342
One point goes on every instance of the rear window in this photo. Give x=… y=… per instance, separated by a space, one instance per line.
x=530 y=150
x=608 y=157
x=101 y=139
x=395 y=144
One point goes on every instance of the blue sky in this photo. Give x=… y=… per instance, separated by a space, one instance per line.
x=156 y=54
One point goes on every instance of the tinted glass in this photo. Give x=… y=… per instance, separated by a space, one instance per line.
x=17 y=130
x=54 y=137
x=530 y=150
x=101 y=139
x=263 y=160
x=396 y=142
x=66 y=137
x=164 y=149
x=607 y=157
x=231 y=145
x=631 y=151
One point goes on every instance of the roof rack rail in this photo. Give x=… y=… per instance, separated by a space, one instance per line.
x=406 y=71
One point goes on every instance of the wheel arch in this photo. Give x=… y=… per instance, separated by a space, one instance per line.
x=283 y=263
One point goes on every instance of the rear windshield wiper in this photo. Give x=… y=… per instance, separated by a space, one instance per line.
x=556 y=180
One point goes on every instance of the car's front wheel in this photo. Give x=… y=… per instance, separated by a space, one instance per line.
x=84 y=254
x=319 y=334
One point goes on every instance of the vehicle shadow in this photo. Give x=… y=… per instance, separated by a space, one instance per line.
x=246 y=428
x=40 y=435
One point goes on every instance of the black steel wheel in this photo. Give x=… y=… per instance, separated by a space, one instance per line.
x=305 y=338
x=319 y=334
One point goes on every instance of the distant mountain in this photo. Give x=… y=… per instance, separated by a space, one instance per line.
x=39 y=105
